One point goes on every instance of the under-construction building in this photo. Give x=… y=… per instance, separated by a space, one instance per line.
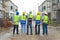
x=53 y=9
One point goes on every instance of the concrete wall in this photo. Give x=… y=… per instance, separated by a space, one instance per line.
x=10 y=11
x=1 y=9
x=55 y=6
x=47 y=5
x=51 y=7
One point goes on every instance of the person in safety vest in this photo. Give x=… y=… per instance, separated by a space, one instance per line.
x=16 y=22
x=37 y=23
x=45 y=23
x=23 y=23
x=29 y=23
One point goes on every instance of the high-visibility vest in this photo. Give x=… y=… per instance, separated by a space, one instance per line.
x=30 y=16
x=38 y=17
x=23 y=17
x=16 y=19
x=45 y=20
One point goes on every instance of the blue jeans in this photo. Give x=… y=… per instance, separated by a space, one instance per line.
x=29 y=25
x=23 y=28
x=45 y=29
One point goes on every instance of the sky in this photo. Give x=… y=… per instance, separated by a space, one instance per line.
x=27 y=5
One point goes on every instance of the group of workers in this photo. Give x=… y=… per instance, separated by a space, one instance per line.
x=28 y=20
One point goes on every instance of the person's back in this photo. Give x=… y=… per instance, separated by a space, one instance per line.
x=29 y=23
x=23 y=23
x=37 y=23
x=45 y=24
x=16 y=19
x=16 y=22
x=30 y=17
x=45 y=19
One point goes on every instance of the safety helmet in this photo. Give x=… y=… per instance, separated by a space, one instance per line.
x=38 y=13
x=46 y=13
x=30 y=12
x=24 y=12
x=17 y=13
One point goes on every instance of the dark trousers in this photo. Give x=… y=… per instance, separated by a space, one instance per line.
x=37 y=30
x=45 y=29
x=29 y=25
x=15 y=28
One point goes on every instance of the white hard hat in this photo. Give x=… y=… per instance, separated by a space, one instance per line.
x=45 y=12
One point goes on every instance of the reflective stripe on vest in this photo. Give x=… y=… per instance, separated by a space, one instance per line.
x=38 y=17
x=23 y=18
x=16 y=19
x=45 y=19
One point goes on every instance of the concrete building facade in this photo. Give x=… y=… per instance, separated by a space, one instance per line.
x=53 y=9
x=10 y=8
x=7 y=10
x=45 y=6
x=1 y=9
x=56 y=9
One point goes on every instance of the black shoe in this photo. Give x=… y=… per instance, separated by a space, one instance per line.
x=17 y=33
x=35 y=33
x=26 y=33
x=38 y=33
x=43 y=33
x=46 y=33
x=31 y=34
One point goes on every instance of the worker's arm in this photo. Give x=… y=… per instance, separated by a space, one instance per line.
x=48 y=20
x=19 y=19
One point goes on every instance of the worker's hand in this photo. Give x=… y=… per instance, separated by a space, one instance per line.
x=13 y=23
x=10 y=21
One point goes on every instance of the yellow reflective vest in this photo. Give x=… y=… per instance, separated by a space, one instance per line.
x=38 y=17
x=23 y=17
x=45 y=20
x=30 y=16
x=16 y=19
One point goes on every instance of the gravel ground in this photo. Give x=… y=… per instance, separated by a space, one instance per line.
x=54 y=34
